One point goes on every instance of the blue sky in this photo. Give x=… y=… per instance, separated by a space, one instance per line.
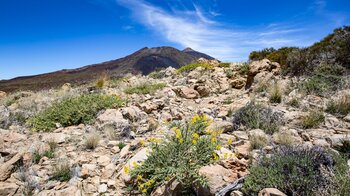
x=38 y=36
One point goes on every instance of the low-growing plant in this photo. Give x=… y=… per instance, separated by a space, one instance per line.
x=229 y=73
x=340 y=106
x=284 y=138
x=121 y=145
x=91 y=141
x=244 y=68
x=313 y=119
x=298 y=171
x=255 y=116
x=224 y=64
x=190 y=67
x=49 y=153
x=179 y=156
x=101 y=81
x=62 y=171
x=262 y=87
x=155 y=75
x=344 y=148
x=294 y=102
x=73 y=111
x=257 y=142
x=145 y=88
x=275 y=93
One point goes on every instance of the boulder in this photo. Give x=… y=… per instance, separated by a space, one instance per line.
x=8 y=189
x=186 y=92
x=217 y=177
x=66 y=87
x=88 y=170
x=170 y=188
x=8 y=167
x=138 y=158
x=2 y=94
x=203 y=90
x=149 y=106
x=238 y=83
x=133 y=113
x=271 y=192
x=112 y=119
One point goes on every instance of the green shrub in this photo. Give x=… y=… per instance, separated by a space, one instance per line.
x=179 y=156
x=244 y=69
x=313 y=119
x=298 y=171
x=275 y=93
x=257 y=142
x=121 y=145
x=61 y=171
x=101 y=81
x=224 y=64
x=155 y=75
x=73 y=111
x=229 y=73
x=294 y=102
x=49 y=153
x=339 y=107
x=255 y=116
x=145 y=88
x=191 y=67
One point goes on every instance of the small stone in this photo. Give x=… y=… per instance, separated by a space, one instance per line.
x=103 y=160
x=102 y=188
x=271 y=192
x=8 y=188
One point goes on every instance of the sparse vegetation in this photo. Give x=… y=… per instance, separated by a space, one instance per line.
x=284 y=138
x=121 y=145
x=313 y=119
x=257 y=142
x=145 y=88
x=294 y=102
x=91 y=141
x=299 y=171
x=229 y=73
x=179 y=157
x=255 y=116
x=262 y=87
x=73 y=111
x=224 y=64
x=244 y=68
x=275 y=93
x=191 y=67
x=101 y=81
x=62 y=171
x=49 y=153
x=155 y=75
x=340 y=106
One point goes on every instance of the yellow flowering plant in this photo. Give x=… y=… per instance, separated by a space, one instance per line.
x=179 y=156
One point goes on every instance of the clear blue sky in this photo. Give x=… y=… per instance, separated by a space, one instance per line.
x=38 y=36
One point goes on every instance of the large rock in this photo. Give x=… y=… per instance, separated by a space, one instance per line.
x=217 y=177
x=187 y=93
x=113 y=120
x=8 y=189
x=170 y=188
x=203 y=90
x=8 y=167
x=238 y=83
x=133 y=113
x=271 y=192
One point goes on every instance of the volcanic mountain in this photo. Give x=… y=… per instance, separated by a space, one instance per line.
x=143 y=61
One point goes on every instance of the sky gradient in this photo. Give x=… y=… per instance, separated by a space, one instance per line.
x=38 y=36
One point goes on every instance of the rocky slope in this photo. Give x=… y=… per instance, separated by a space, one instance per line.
x=142 y=61
x=219 y=93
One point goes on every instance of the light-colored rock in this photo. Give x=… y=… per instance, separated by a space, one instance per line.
x=59 y=138
x=271 y=192
x=347 y=118
x=149 y=106
x=112 y=120
x=238 y=83
x=138 y=158
x=8 y=189
x=66 y=87
x=88 y=170
x=321 y=143
x=2 y=94
x=186 y=92
x=133 y=113
x=171 y=188
x=102 y=188
x=217 y=177
x=224 y=126
x=103 y=160
x=7 y=168
x=203 y=90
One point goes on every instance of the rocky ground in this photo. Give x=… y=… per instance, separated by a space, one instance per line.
x=124 y=133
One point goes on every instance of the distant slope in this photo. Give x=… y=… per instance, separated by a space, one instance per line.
x=142 y=61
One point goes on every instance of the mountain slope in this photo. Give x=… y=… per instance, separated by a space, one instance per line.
x=142 y=61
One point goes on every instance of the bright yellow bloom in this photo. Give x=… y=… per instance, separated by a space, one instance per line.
x=126 y=169
x=225 y=155
x=195 y=136
x=134 y=164
x=142 y=142
x=194 y=142
x=230 y=141
x=213 y=140
x=139 y=178
x=149 y=183
x=167 y=178
x=140 y=186
x=215 y=157
x=144 y=190
x=181 y=141
x=218 y=147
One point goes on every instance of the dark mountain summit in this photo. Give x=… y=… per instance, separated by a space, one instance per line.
x=143 y=61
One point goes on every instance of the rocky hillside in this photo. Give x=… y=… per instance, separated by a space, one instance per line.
x=205 y=129
x=143 y=61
